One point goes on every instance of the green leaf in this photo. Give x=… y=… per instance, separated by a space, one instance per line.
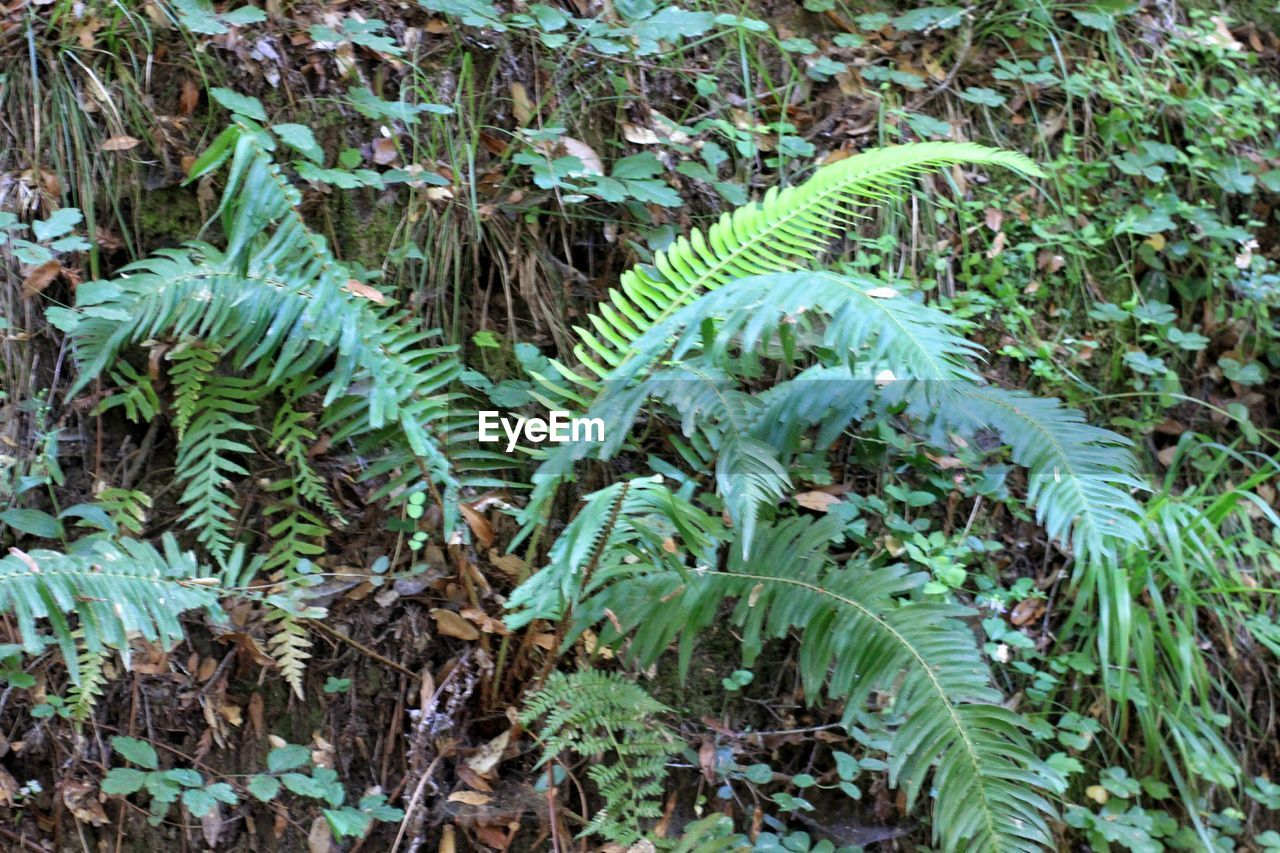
x=60 y=222
x=303 y=785
x=185 y=776
x=244 y=105
x=138 y=751
x=287 y=757
x=940 y=17
x=979 y=95
x=123 y=780
x=265 y=788
x=198 y=801
x=32 y=522
x=300 y=138
x=347 y=822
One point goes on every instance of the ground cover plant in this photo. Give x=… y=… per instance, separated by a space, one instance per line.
x=932 y=504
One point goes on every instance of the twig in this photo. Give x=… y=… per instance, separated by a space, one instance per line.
x=360 y=647
x=21 y=839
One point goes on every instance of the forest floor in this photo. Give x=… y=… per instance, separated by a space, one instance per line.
x=493 y=170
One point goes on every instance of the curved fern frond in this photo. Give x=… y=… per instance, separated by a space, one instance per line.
x=860 y=634
x=115 y=588
x=787 y=230
x=1080 y=476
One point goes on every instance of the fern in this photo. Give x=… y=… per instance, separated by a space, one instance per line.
x=593 y=714
x=275 y=304
x=192 y=363
x=205 y=460
x=860 y=633
x=686 y=338
x=787 y=230
x=113 y=588
x=84 y=696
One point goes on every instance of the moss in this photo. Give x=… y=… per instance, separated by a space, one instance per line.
x=170 y=216
x=364 y=224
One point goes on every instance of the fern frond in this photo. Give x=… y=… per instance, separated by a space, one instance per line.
x=205 y=464
x=860 y=634
x=787 y=230
x=289 y=644
x=1080 y=476
x=749 y=476
x=631 y=520
x=594 y=713
x=114 y=588
x=84 y=696
x=191 y=364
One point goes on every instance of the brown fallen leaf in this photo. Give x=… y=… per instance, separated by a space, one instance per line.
x=480 y=527
x=452 y=625
x=484 y=621
x=8 y=787
x=40 y=277
x=471 y=798
x=318 y=839
x=359 y=288
x=508 y=564
x=81 y=799
x=817 y=501
x=591 y=161
x=384 y=151
x=120 y=143
x=1027 y=610
x=189 y=98
x=521 y=106
x=486 y=758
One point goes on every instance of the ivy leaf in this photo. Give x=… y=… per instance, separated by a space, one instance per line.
x=138 y=751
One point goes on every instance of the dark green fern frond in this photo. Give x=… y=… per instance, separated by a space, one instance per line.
x=114 y=588
x=625 y=521
x=860 y=634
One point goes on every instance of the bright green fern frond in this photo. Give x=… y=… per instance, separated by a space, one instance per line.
x=114 y=588
x=191 y=364
x=787 y=230
x=84 y=696
x=595 y=714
